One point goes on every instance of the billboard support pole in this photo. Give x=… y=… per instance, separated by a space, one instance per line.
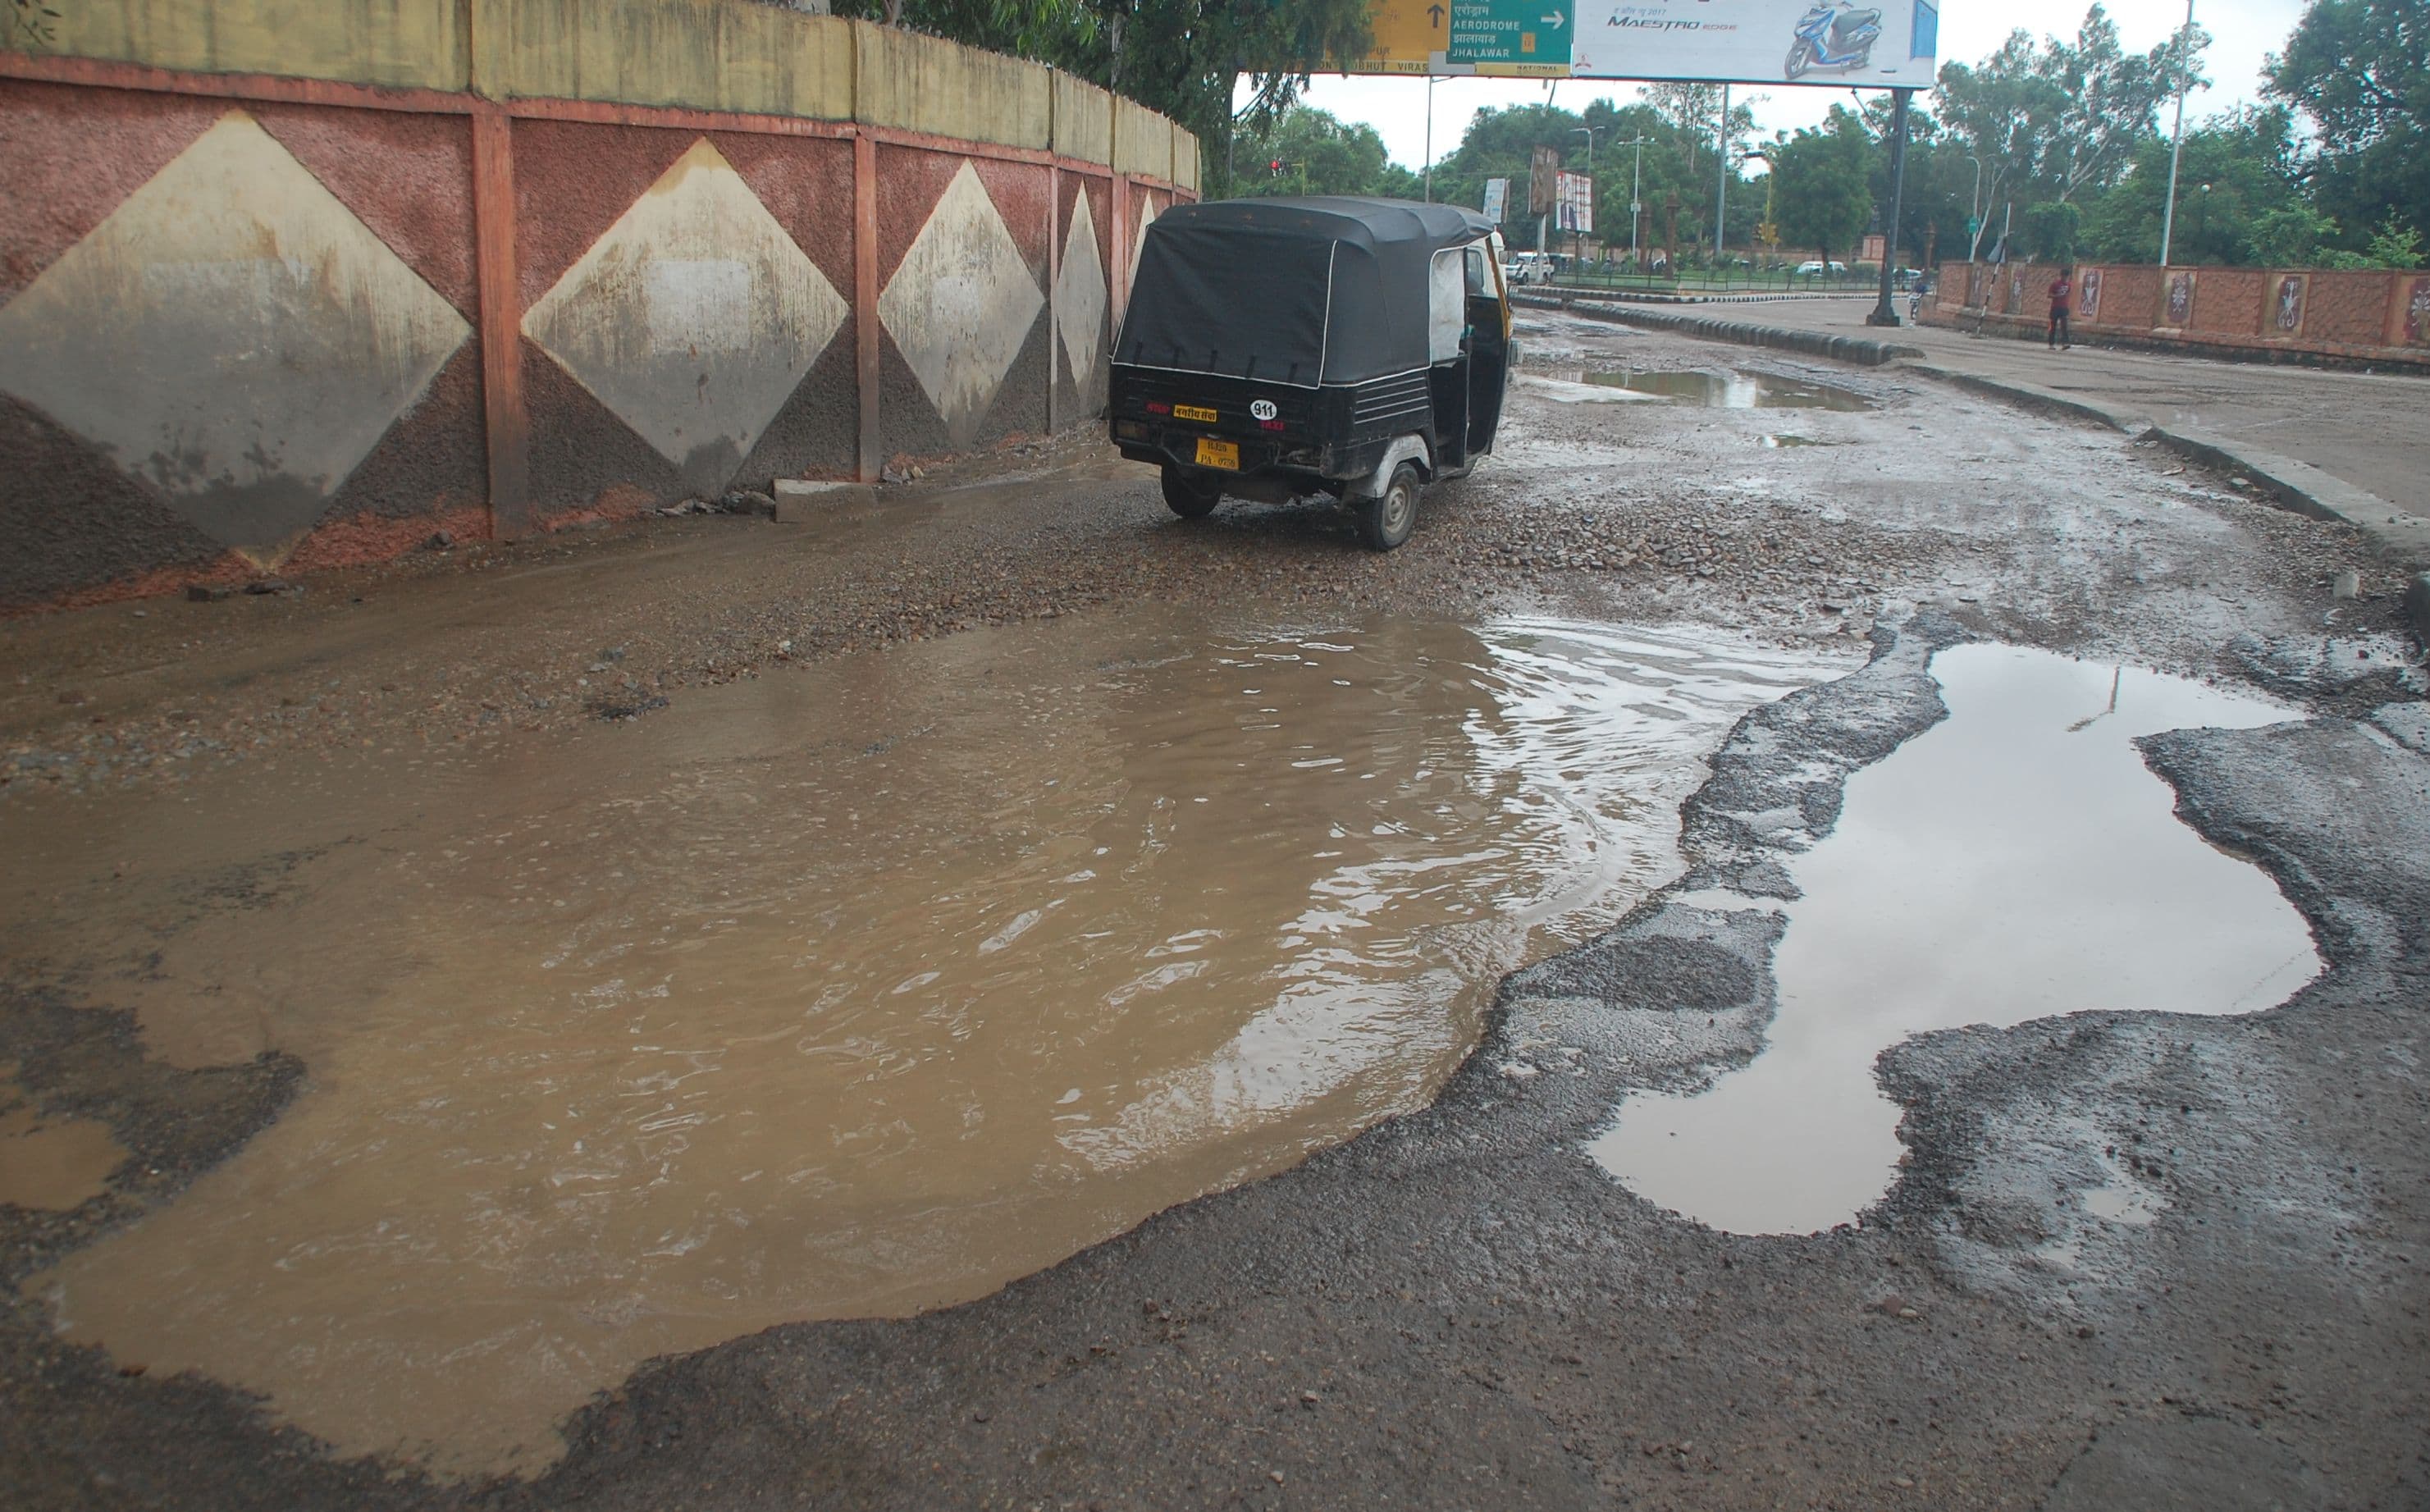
x=1721 y=179
x=1884 y=312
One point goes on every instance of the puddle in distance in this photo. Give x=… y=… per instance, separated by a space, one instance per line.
x=1731 y=391
x=2016 y=860
x=854 y=991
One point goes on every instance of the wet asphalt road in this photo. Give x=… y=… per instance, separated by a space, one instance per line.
x=1458 y=1308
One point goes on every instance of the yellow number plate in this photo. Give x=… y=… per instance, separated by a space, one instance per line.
x=1219 y=454
x=1193 y=412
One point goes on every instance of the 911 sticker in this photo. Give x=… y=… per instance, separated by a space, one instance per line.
x=1262 y=409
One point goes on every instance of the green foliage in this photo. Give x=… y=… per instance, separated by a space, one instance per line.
x=2291 y=234
x=2051 y=230
x=1179 y=57
x=2056 y=118
x=2393 y=246
x=1822 y=185
x=2361 y=69
x=1319 y=154
x=2238 y=173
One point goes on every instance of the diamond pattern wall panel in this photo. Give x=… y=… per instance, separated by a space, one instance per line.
x=232 y=334
x=1080 y=295
x=692 y=319
x=961 y=305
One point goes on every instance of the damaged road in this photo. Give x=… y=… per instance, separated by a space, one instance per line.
x=1459 y=1307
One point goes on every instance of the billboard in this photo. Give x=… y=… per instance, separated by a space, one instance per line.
x=1543 y=180
x=1758 y=41
x=1497 y=200
x=1574 y=206
x=1449 y=38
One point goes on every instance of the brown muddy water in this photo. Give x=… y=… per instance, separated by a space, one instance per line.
x=2016 y=861
x=51 y=1162
x=854 y=990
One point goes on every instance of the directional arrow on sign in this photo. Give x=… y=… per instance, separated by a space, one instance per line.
x=1553 y=20
x=1435 y=14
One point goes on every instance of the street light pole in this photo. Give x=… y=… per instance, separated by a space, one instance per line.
x=2177 y=144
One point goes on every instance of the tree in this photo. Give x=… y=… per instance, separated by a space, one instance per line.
x=1822 y=195
x=2050 y=231
x=1179 y=57
x=2239 y=191
x=2361 y=69
x=1319 y=154
x=2053 y=120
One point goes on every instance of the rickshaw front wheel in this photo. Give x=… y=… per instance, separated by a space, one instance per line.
x=1188 y=498
x=1385 y=520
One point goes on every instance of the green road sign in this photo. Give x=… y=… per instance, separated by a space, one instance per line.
x=1509 y=31
x=1974 y=223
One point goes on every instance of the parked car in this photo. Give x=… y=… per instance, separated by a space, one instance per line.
x=1279 y=347
x=1810 y=268
x=1530 y=268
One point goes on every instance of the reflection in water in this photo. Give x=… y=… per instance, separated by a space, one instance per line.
x=1733 y=390
x=862 y=989
x=2016 y=860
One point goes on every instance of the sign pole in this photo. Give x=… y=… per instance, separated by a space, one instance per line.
x=1884 y=312
x=1430 y=139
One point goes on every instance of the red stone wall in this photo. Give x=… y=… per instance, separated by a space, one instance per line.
x=2276 y=314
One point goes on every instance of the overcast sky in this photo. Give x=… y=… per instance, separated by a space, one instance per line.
x=2241 y=32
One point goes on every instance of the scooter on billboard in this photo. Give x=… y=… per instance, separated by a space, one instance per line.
x=1833 y=39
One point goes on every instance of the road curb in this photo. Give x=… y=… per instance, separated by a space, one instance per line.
x=1856 y=349
x=2300 y=487
x=2294 y=485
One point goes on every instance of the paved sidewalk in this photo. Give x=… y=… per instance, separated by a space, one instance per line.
x=2368 y=430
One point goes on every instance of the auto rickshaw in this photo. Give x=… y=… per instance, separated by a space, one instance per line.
x=1278 y=348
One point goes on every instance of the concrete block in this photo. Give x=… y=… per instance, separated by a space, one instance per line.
x=800 y=501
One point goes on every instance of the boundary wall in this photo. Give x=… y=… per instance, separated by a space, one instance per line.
x=291 y=286
x=2378 y=316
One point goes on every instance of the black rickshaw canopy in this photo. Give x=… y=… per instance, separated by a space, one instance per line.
x=1324 y=290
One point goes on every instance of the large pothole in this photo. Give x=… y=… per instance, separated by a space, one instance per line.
x=852 y=991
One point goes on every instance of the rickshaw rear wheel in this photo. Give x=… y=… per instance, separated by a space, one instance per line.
x=1188 y=498
x=1385 y=520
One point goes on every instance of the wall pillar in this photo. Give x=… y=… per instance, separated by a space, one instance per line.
x=864 y=300
x=506 y=419
x=1053 y=293
x=1117 y=266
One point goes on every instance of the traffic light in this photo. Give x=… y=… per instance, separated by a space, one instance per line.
x=1275 y=169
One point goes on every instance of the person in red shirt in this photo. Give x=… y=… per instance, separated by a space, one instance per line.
x=2062 y=298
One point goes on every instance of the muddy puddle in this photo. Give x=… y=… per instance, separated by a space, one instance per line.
x=854 y=990
x=2016 y=860
x=47 y=1161
x=1697 y=387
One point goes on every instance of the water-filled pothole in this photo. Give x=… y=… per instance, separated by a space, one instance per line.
x=1733 y=390
x=854 y=991
x=2016 y=860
